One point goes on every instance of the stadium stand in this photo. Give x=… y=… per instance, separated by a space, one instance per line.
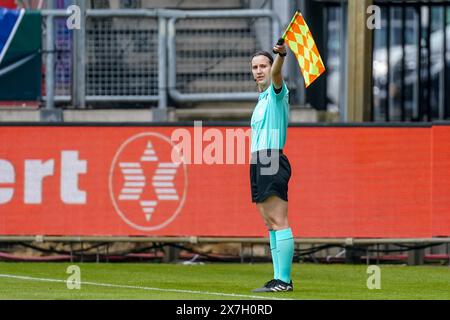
x=212 y=56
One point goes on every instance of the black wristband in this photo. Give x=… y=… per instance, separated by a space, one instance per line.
x=282 y=55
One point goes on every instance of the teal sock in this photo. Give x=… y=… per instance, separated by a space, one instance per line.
x=273 y=251
x=285 y=250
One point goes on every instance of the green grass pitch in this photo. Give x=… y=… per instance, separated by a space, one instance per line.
x=217 y=281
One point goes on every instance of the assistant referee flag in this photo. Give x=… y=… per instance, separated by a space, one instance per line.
x=301 y=42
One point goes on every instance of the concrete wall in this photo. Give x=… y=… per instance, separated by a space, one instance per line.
x=213 y=113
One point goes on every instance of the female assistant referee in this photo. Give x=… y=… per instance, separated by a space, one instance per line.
x=270 y=170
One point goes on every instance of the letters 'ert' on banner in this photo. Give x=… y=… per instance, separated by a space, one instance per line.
x=299 y=39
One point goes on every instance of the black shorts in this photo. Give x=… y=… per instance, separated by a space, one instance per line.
x=270 y=172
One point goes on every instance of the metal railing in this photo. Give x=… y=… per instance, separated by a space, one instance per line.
x=411 y=62
x=197 y=239
x=219 y=70
x=117 y=69
x=150 y=55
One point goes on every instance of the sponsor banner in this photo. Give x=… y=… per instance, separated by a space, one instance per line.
x=441 y=181
x=9 y=22
x=11 y=4
x=119 y=181
x=362 y=182
x=20 y=55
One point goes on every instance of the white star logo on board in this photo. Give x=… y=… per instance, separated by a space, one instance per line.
x=147 y=189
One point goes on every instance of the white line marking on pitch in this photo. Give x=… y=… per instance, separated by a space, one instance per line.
x=143 y=288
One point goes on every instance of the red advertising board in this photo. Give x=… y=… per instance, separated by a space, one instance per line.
x=441 y=181
x=117 y=180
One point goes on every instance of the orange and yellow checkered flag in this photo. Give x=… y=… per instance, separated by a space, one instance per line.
x=300 y=40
